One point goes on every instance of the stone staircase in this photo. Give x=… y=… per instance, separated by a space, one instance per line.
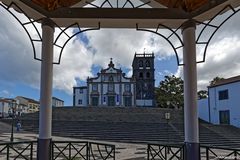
x=113 y=114
x=131 y=125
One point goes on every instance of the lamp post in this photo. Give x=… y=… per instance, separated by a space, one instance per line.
x=167 y=117
x=12 y=114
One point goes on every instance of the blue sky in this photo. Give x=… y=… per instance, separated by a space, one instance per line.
x=86 y=54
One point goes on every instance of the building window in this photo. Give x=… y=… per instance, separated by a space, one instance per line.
x=94 y=87
x=148 y=75
x=147 y=63
x=140 y=75
x=79 y=101
x=110 y=87
x=81 y=91
x=223 y=94
x=140 y=63
x=127 y=87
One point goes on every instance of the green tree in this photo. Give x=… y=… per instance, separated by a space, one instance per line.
x=202 y=94
x=169 y=94
x=215 y=80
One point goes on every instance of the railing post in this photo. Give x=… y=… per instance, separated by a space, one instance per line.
x=88 y=150
x=166 y=152
x=31 y=151
x=207 y=154
x=148 y=150
x=7 y=151
x=52 y=148
x=235 y=155
x=114 y=153
x=70 y=150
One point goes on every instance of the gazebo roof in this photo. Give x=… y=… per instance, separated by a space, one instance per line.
x=186 y=5
x=171 y=13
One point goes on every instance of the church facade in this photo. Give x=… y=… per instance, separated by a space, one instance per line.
x=112 y=88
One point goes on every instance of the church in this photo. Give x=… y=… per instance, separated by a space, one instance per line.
x=112 y=88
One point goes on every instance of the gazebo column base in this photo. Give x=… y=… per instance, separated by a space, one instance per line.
x=44 y=149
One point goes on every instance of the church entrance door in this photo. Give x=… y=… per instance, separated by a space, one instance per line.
x=111 y=100
x=94 y=101
x=128 y=101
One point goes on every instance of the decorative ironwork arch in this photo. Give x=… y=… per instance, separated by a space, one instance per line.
x=173 y=33
x=198 y=42
x=216 y=28
x=30 y=21
x=167 y=38
x=70 y=37
x=39 y=38
x=117 y=5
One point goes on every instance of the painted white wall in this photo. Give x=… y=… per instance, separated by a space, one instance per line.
x=203 y=110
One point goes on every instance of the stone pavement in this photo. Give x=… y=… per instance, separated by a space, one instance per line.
x=124 y=151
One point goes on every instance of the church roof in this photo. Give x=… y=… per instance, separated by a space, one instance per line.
x=111 y=66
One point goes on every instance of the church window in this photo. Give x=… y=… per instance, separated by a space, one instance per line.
x=117 y=98
x=94 y=87
x=140 y=63
x=104 y=99
x=110 y=87
x=111 y=78
x=140 y=75
x=147 y=63
x=127 y=87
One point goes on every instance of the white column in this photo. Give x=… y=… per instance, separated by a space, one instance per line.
x=45 y=117
x=190 y=91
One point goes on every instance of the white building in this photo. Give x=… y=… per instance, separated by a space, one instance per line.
x=27 y=105
x=223 y=103
x=56 y=102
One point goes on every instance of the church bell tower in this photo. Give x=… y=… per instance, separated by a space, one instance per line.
x=143 y=72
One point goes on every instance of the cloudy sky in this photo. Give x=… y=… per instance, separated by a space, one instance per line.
x=85 y=54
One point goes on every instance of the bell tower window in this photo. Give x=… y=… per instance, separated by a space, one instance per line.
x=148 y=75
x=140 y=75
x=140 y=64
x=147 y=64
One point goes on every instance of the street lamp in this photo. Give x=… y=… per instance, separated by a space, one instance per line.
x=167 y=117
x=12 y=114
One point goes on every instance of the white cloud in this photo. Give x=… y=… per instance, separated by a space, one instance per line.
x=5 y=93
